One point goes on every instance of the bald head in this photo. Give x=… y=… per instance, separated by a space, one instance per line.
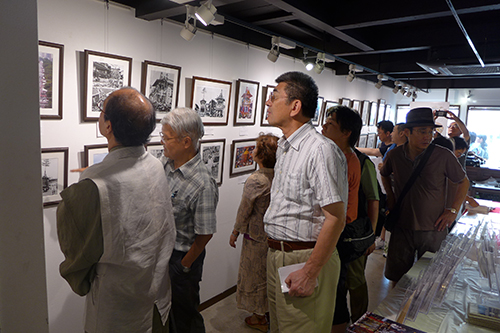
x=131 y=115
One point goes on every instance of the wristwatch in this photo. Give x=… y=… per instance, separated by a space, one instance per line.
x=453 y=210
x=186 y=269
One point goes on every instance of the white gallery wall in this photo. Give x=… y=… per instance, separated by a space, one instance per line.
x=88 y=24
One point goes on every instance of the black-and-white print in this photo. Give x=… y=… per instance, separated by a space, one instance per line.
x=156 y=152
x=161 y=89
x=106 y=78
x=211 y=158
x=210 y=102
x=50 y=171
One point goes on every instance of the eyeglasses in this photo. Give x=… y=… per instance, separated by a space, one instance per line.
x=164 y=138
x=273 y=96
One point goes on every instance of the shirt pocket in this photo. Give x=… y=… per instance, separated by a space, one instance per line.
x=296 y=188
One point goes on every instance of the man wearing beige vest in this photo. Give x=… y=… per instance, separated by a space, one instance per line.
x=116 y=226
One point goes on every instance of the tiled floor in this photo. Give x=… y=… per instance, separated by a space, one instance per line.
x=225 y=317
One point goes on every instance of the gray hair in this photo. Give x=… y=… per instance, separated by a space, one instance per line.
x=185 y=122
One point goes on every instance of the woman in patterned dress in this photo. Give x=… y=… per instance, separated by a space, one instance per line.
x=251 y=294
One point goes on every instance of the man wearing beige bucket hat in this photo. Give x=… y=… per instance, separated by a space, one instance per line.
x=424 y=216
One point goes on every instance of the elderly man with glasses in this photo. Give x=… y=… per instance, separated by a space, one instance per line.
x=194 y=196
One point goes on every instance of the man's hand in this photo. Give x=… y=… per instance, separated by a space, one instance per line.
x=370 y=250
x=300 y=284
x=445 y=220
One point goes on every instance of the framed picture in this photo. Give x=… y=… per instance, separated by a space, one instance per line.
x=317 y=114
x=328 y=104
x=241 y=157
x=54 y=174
x=362 y=140
x=365 y=113
x=373 y=114
x=94 y=154
x=160 y=83
x=247 y=93
x=266 y=94
x=155 y=149
x=345 y=102
x=372 y=140
x=356 y=105
x=390 y=114
x=104 y=73
x=381 y=110
x=50 y=78
x=212 y=154
x=210 y=99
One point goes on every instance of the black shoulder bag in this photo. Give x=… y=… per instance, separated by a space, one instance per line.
x=393 y=216
x=358 y=235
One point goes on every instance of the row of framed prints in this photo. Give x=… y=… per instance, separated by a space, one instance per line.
x=55 y=162
x=367 y=140
x=371 y=112
x=210 y=98
x=105 y=73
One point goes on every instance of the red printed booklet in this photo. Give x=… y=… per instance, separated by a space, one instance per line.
x=371 y=323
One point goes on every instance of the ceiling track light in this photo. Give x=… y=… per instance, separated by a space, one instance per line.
x=274 y=53
x=309 y=65
x=206 y=13
x=320 y=63
x=189 y=30
x=350 y=77
x=408 y=93
x=397 y=86
x=378 y=85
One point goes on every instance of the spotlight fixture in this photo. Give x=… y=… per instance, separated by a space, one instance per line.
x=403 y=89
x=320 y=63
x=378 y=85
x=414 y=95
x=189 y=30
x=274 y=53
x=206 y=13
x=397 y=86
x=408 y=93
x=309 y=65
x=350 y=77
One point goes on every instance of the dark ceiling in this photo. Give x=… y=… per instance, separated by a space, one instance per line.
x=385 y=37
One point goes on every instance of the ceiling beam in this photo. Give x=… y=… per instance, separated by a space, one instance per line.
x=318 y=24
x=171 y=9
x=416 y=17
x=405 y=49
x=274 y=20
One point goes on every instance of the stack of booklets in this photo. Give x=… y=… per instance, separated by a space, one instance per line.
x=483 y=315
x=370 y=322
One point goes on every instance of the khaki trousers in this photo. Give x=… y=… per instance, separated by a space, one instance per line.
x=301 y=314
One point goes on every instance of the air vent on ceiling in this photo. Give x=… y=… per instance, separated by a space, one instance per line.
x=461 y=70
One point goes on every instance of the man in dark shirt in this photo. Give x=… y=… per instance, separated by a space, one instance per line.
x=424 y=217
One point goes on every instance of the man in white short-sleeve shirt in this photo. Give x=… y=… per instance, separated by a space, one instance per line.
x=307 y=211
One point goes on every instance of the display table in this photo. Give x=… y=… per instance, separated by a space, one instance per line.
x=467 y=286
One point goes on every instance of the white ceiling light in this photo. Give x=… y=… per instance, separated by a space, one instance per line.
x=309 y=65
x=274 y=53
x=189 y=30
x=397 y=86
x=206 y=13
x=320 y=63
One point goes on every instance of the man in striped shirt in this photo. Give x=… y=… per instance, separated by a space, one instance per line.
x=307 y=211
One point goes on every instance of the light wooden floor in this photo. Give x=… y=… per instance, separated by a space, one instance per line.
x=225 y=317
